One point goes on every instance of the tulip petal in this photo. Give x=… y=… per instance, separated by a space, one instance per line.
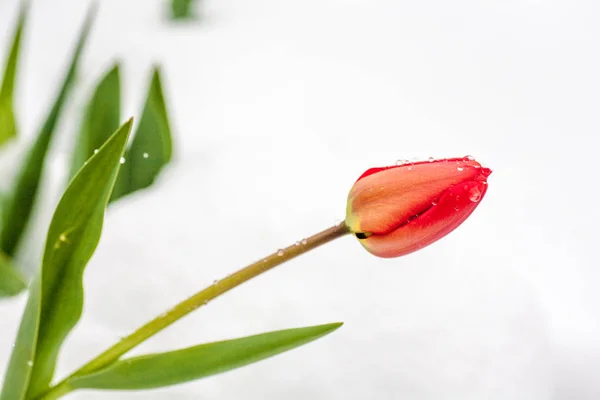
x=384 y=198
x=454 y=206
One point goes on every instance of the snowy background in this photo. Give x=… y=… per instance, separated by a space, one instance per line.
x=277 y=107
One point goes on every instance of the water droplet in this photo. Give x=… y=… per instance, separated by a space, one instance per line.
x=30 y=363
x=431 y=159
x=122 y=160
x=297 y=243
x=304 y=241
x=459 y=168
x=280 y=252
x=468 y=158
x=63 y=238
x=474 y=195
x=96 y=151
x=456 y=208
x=215 y=281
x=434 y=203
x=205 y=302
x=410 y=168
x=146 y=155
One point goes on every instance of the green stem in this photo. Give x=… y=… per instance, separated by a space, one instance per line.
x=57 y=391
x=194 y=302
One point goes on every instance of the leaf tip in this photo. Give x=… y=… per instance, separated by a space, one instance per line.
x=333 y=326
x=115 y=69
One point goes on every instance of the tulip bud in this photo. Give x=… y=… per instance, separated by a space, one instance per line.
x=396 y=210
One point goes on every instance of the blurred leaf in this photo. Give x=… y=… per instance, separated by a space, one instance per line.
x=19 y=367
x=58 y=296
x=182 y=9
x=152 y=145
x=8 y=125
x=165 y=369
x=11 y=282
x=20 y=203
x=102 y=117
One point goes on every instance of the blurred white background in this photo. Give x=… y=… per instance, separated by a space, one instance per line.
x=277 y=107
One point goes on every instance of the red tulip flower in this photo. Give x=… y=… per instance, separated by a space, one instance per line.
x=396 y=210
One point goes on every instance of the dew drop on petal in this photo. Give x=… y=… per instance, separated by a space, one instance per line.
x=474 y=195
x=30 y=363
x=280 y=252
x=434 y=203
x=304 y=241
x=96 y=151
x=122 y=160
x=456 y=208
x=431 y=159
x=459 y=168
x=146 y=155
x=468 y=158
x=410 y=168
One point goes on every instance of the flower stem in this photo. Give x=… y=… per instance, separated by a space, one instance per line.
x=194 y=302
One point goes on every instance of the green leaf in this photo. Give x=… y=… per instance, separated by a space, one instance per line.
x=102 y=117
x=182 y=9
x=11 y=282
x=20 y=203
x=8 y=125
x=58 y=295
x=165 y=369
x=152 y=146
x=19 y=367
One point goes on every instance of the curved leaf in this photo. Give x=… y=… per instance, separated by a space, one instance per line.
x=152 y=146
x=56 y=296
x=8 y=125
x=21 y=201
x=165 y=369
x=102 y=117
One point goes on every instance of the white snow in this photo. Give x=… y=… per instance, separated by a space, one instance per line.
x=277 y=107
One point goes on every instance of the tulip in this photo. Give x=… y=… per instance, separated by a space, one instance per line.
x=396 y=210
